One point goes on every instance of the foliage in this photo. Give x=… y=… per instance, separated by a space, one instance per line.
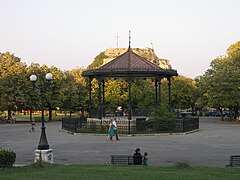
x=142 y=94
x=162 y=119
x=68 y=90
x=184 y=93
x=98 y=61
x=116 y=93
x=220 y=84
x=233 y=51
x=12 y=82
x=17 y=92
x=7 y=158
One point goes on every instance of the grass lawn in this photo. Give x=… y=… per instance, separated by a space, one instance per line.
x=98 y=172
x=26 y=118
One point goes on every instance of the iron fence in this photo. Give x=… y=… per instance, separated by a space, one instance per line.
x=113 y=113
x=186 y=124
x=74 y=123
x=139 y=125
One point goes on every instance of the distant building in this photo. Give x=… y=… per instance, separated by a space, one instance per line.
x=147 y=53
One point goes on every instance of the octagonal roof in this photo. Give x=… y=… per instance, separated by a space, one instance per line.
x=130 y=64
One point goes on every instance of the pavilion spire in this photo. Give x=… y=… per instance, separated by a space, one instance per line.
x=129 y=42
x=117 y=37
x=129 y=49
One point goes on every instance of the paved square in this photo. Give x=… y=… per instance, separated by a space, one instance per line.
x=211 y=146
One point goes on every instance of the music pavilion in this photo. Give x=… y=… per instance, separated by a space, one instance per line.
x=128 y=66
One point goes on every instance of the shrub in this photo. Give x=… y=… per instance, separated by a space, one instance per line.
x=7 y=158
x=162 y=119
x=1 y=118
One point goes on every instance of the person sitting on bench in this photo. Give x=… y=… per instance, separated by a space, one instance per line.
x=137 y=157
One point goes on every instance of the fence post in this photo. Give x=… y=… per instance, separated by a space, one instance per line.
x=75 y=125
x=62 y=122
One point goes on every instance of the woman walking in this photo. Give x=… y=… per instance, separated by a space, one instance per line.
x=111 y=131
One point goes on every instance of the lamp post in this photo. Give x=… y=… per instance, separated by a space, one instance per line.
x=43 y=153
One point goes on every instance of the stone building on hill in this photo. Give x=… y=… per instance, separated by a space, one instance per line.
x=147 y=53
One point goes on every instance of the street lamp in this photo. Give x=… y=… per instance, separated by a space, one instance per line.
x=43 y=153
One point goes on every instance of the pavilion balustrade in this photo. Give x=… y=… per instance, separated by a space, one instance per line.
x=188 y=123
x=137 y=125
x=73 y=124
x=114 y=113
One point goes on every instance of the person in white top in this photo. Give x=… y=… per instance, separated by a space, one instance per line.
x=115 y=128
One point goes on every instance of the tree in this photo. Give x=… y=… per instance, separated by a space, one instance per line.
x=220 y=83
x=12 y=82
x=52 y=88
x=184 y=93
x=116 y=93
x=143 y=94
x=233 y=51
x=32 y=98
x=162 y=119
x=73 y=91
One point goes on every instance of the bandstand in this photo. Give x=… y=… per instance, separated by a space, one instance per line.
x=128 y=66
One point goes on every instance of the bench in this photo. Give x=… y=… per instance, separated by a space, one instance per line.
x=122 y=159
x=234 y=161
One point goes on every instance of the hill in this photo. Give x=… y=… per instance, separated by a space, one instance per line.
x=111 y=53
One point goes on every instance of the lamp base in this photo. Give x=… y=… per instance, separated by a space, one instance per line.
x=44 y=155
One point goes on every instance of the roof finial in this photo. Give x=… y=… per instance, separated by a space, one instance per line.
x=129 y=47
x=152 y=47
x=117 y=40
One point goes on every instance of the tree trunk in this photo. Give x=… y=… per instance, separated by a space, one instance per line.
x=50 y=113
x=9 y=114
x=31 y=114
x=82 y=116
x=221 y=112
x=236 y=112
x=10 y=119
x=230 y=113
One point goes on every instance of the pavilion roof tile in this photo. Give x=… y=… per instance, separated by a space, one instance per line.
x=130 y=64
x=130 y=61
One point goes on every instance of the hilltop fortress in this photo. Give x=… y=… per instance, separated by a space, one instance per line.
x=147 y=53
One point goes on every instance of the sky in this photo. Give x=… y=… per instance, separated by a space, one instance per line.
x=69 y=33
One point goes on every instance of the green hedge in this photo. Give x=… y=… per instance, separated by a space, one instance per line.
x=7 y=158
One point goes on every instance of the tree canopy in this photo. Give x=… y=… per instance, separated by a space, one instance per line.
x=220 y=84
x=219 y=87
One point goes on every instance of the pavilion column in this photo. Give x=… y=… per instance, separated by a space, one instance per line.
x=99 y=99
x=169 y=93
x=129 y=104
x=103 y=98
x=159 y=91
x=90 y=96
x=156 y=91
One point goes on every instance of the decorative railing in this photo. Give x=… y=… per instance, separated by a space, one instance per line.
x=188 y=123
x=113 y=113
x=73 y=124
x=137 y=125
